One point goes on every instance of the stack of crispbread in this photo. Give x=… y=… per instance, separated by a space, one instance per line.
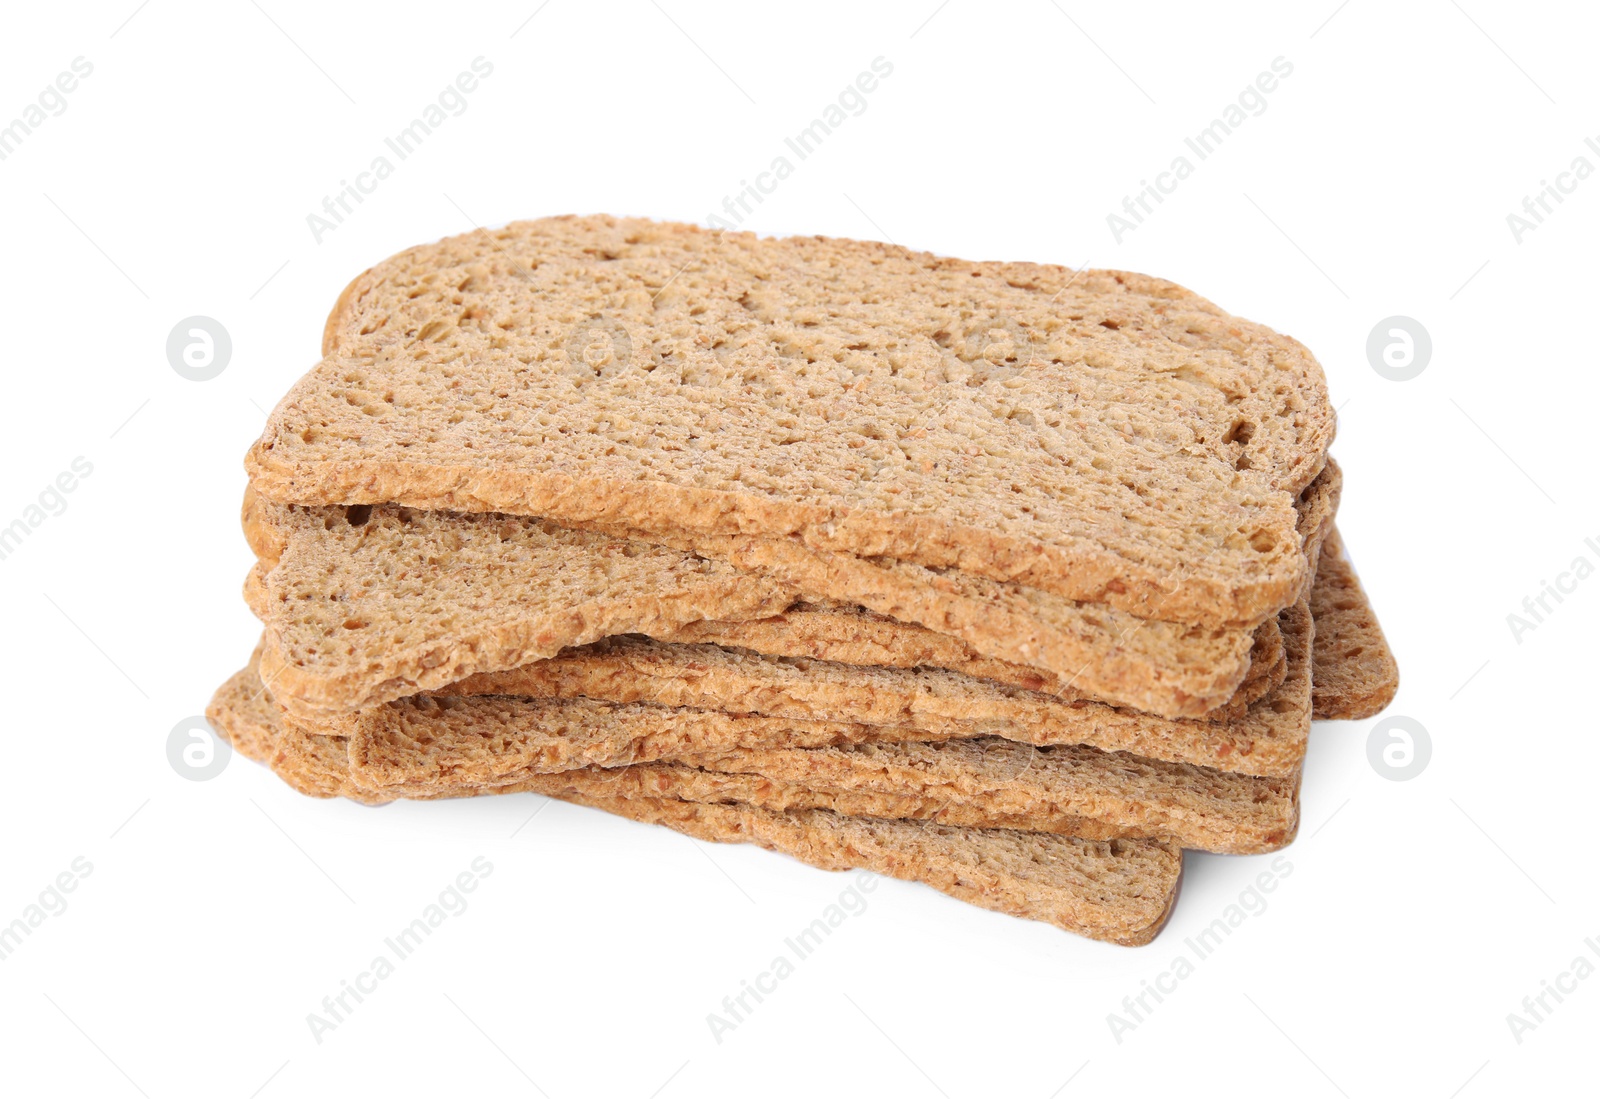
x=1004 y=578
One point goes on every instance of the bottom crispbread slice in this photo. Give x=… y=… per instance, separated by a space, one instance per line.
x=1354 y=672
x=1118 y=891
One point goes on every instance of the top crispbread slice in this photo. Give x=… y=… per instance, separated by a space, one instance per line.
x=1118 y=891
x=1104 y=436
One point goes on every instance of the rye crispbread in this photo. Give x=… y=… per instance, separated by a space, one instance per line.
x=1268 y=741
x=737 y=680
x=429 y=742
x=1355 y=675
x=377 y=609
x=865 y=399
x=481 y=593
x=839 y=633
x=987 y=783
x=916 y=703
x=454 y=749
x=707 y=677
x=1118 y=891
x=1346 y=617
x=846 y=634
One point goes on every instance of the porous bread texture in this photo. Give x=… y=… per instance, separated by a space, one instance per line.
x=367 y=608
x=1118 y=891
x=242 y=713
x=560 y=733
x=330 y=565
x=1104 y=436
x=851 y=635
x=987 y=782
x=1318 y=507
x=397 y=602
x=846 y=634
x=925 y=703
x=448 y=750
x=504 y=736
x=494 y=736
x=1355 y=675
x=800 y=703
x=632 y=671
x=992 y=782
x=705 y=676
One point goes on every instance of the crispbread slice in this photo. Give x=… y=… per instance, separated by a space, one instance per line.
x=459 y=746
x=829 y=701
x=1119 y=891
x=1355 y=674
x=372 y=611
x=845 y=634
x=986 y=783
x=924 y=703
x=553 y=733
x=998 y=783
x=715 y=677
x=556 y=733
x=838 y=633
x=365 y=605
x=361 y=611
x=1100 y=435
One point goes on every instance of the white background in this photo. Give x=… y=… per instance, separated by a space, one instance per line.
x=219 y=914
